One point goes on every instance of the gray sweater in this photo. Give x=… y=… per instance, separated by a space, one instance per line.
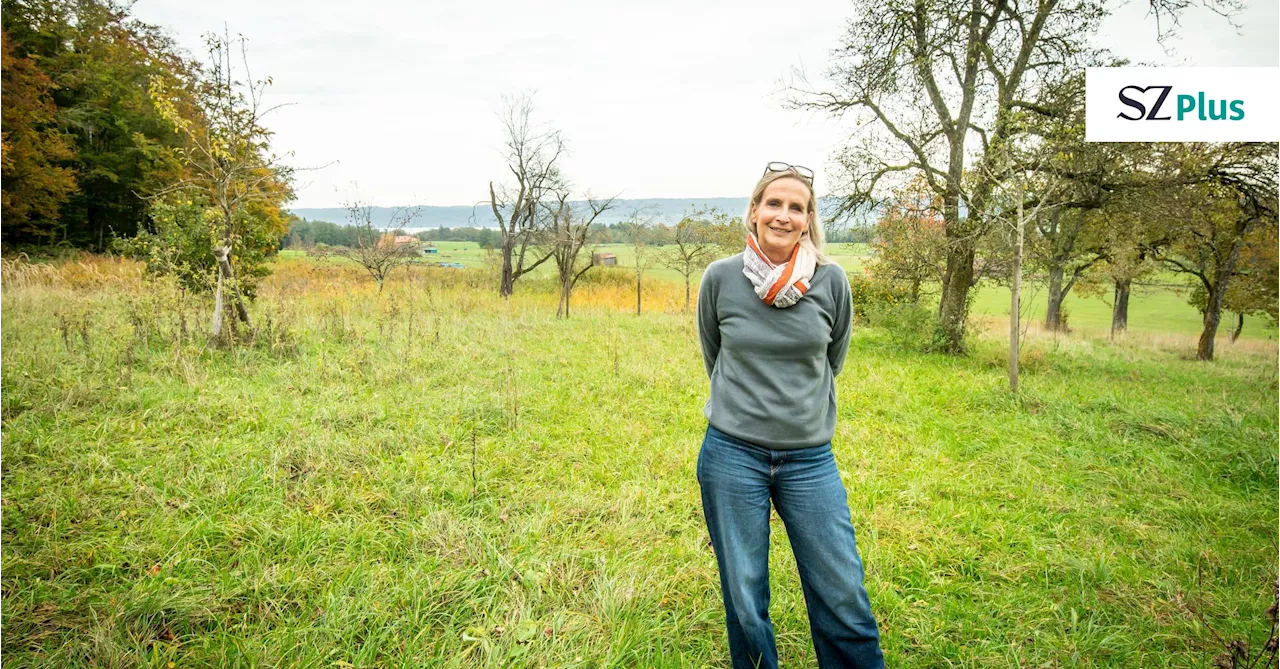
x=773 y=370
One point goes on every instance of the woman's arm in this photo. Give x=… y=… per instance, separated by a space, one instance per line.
x=842 y=326
x=708 y=322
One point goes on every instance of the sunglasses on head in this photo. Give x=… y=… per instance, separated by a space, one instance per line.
x=804 y=172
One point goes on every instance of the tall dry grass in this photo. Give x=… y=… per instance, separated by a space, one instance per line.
x=79 y=271
x=1083 y=339
x=602 y=289
x=304 y=289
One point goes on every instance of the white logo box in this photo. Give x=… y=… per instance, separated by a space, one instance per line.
x=1248 y=99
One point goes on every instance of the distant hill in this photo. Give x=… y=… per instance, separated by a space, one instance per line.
x=669 y=210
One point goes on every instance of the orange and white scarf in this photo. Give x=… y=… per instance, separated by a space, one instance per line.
x=780 y=285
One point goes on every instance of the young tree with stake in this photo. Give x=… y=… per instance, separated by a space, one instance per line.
x=640 y=232
x=227 y=155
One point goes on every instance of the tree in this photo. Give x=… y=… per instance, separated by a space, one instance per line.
x=1130 y=226
x=1256 y=290
x=1009 y=211
x=1230 y=194
x=1067 y=246
x=639 y=231
x=376 y=250
x=910 y=242
x=304 y=234
x=227 y=157
x=1127 y=261
x=532 y=155
x=99 y=62
x=700 y=237
x=935 y=87
x=33 y=151
x=487 y=239
x=569 y=232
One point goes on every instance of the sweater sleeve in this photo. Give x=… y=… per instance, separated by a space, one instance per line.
x=842 y=325
x=708 y=321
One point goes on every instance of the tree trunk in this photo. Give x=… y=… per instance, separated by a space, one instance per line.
x=686 y=292
x=223 y=254
x=216 y=326
x=915 y=290
x=225 y=275
x=1120 y=309
x=1053 y=315
x=1239 y=326
x=1212 y=316
x=1015 y=303
x=224 y=270
x=562 y=308
x=96 y=221
x=953 y=308
x=1218 y=293
x=508 y=279
x=638 y=288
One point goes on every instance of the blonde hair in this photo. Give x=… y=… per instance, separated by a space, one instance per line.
x=815 y=232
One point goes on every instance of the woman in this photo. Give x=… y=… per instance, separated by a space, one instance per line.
x=774 y=323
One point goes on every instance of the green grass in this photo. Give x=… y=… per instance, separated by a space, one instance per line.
x=311 y=500
x=1152 y=309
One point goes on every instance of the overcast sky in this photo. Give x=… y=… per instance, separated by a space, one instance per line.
x=664 y=98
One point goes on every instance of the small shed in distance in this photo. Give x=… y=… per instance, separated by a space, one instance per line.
x=604 y=259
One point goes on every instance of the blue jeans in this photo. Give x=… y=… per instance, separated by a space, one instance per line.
x=739 y=480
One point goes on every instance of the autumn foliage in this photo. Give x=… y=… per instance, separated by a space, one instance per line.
x=36 y=180
x=910 y=244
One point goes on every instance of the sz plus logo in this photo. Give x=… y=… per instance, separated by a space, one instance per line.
x=1181 y=104
x=1148 y=103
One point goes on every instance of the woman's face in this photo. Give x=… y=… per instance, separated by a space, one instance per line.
x=782 y=216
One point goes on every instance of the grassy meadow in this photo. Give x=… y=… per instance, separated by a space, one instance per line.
x=433 y=476
x=1153 y=309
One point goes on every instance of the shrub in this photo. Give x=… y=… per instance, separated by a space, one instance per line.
x=910 y=326
x=608 y=276
x=180 y=244
x=872 y=294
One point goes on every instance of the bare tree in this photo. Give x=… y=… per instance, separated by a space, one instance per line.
x=699 y=238
x=569 y=231
x=376 y=250
x=934 y=87
x=640 y=233
x=532 y=155
x=1043 y=202
x=228 y=154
